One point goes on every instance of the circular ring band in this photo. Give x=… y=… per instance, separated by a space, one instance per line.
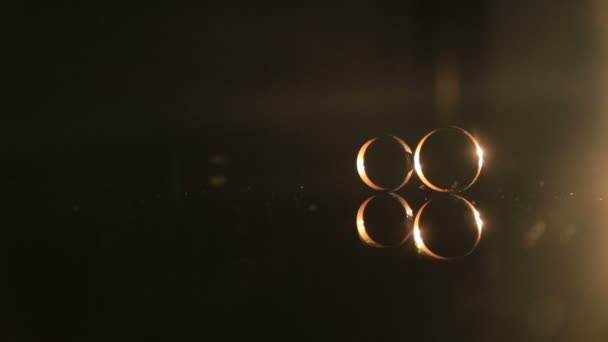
x=418 y=165
x=420 y=242
x=361 y=165
x=362 y=230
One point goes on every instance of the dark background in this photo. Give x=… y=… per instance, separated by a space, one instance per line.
x=189 y=172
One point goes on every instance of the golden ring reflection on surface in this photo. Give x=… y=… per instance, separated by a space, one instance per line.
x=419 y=242
x=362 y=230
x=418 y=165
x=361 y=165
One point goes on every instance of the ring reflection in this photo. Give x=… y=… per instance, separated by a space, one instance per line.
x=447 y=228
x=384 y=220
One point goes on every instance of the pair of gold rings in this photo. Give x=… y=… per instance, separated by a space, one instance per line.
x=412 y=226
x=365 y=177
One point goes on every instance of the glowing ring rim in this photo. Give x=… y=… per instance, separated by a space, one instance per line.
x=426 y=181
x=362 y=230
x=419 y=242
x=361 y=164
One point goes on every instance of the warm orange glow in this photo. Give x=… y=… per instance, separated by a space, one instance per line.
x=362 y=231
x=419 y=241
x=480 y=156
x=418 y=165
x=361 y=165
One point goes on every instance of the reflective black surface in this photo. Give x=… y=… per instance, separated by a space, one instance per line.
x=190 y=172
